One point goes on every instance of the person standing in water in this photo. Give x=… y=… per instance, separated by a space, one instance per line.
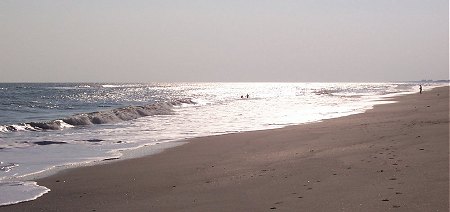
x=420 y=89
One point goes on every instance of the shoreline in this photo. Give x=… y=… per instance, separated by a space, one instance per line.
x=158 y=147
x=263 y=169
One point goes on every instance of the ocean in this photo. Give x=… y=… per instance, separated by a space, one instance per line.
x=46 y=127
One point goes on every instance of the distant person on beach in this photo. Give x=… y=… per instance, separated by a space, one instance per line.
x=420 y=89
x=247 y=96
x=242 y=96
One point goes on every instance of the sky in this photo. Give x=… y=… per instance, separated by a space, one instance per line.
x=223 y=41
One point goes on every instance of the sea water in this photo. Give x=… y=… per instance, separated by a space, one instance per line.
x=47 y=127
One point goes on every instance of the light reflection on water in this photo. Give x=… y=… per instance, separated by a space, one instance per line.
x=219 y=109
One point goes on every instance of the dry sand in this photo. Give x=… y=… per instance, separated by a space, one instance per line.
x=392 y=158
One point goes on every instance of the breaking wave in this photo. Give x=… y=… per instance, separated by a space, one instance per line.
x=100 y=117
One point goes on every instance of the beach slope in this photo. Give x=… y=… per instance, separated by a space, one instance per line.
x=394 y=157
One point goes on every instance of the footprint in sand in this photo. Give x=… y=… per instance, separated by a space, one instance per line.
x=393 y=178
x=277 y=203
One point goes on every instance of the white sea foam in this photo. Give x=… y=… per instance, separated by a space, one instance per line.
x=84 y=86
x=20 y=192
x=6 y=167
x=176 y=111
x=101 y=117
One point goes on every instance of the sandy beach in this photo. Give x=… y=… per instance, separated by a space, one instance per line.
x=394 y=157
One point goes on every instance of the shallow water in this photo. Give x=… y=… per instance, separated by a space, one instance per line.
x=43 y=126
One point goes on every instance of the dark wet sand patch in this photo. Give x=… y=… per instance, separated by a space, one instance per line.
x=109 y=159
x=95 y=140
x=43 y=143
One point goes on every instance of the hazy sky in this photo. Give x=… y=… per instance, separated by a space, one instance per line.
x=232 y=40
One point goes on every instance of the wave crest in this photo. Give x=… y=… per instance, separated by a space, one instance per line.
x=101 y=117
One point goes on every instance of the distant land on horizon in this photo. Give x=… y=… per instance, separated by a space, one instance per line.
x=434 y=81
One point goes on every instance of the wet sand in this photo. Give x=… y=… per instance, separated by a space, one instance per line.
x=392 y=158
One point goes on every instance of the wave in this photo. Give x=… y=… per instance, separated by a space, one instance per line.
x=120 y=85
x=100 y=117
x=6 y=167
